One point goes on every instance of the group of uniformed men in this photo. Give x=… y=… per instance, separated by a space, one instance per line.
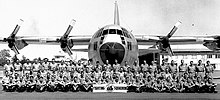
x=77 y=76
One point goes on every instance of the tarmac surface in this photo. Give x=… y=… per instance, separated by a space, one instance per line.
x=105 y=96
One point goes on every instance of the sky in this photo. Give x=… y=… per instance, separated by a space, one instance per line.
x=146 y=17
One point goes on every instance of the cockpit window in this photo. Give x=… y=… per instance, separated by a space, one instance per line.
x=122 y=32
x=105 y=32
x=112 y=31
x=119 y=32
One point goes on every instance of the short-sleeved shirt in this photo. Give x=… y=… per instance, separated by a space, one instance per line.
x=17 y=66
x=62 y=65
x=46 y=65
x=173 y=68
x=182 y=68
x=53 y=65
x=144 y=67
x=191 y=68
x=27 y=66
x=8 y=67
x=36 y=66
x=116 y=67
x=163 y=67
x=209 y=68
x=200 y=68
x=152 y=68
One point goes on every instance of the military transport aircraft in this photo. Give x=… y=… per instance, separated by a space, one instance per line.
x=111 y=42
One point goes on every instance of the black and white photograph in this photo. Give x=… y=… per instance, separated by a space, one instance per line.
x=109 y=49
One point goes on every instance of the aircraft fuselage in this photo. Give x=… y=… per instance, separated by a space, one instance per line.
x=111 y=43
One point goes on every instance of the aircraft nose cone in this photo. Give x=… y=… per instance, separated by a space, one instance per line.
x=112 y=51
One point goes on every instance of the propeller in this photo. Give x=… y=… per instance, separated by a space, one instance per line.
x=13 y=43
x=64 y=41
x=164 y=43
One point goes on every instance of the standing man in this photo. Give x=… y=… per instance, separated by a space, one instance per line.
x=126 y=66
x=27 y=66
x=182 y=68
x=53 y=65
x=152 y=67
x=191 y=69
x=8 y=67
x=200 y=68
x=36 y=67
x=209 y=69
x=46 y=64
x=173 y=67
x=116 y=66
x=107 y=65
x=145 y=66
x=163 y=66
x=136 y=67
x=18 y=67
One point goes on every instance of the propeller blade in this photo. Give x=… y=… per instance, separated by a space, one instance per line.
x=174 y=29
x=15 y=49
x=70 y=27
x=68 y=50
x=17 y=27
x=170 y=51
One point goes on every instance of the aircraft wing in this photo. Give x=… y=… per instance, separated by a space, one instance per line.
x=79 y=42
x=174 y=40
x=147 y=43
x=53 y=40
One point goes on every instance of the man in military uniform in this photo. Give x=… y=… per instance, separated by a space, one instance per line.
x=182 y=68
x=209 y=69
x=191 y=69
x=41 y=85
x=200 y=69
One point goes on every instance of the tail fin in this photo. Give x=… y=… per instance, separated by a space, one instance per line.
x=116 y=15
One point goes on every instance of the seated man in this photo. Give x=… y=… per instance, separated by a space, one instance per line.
x=52 y=85
x=40 y=85
x=189 y=86
x=210 y=86
x=178 y=86
x=74 y=84
x=148 y=85
x=5 y=80
x=31 y=84
x=200 y=85
x=21 y=85
x=169 y=85
x=135 y=85
x=65 y=84
x=159 y=86
x=10 y=85
x=86 y=85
